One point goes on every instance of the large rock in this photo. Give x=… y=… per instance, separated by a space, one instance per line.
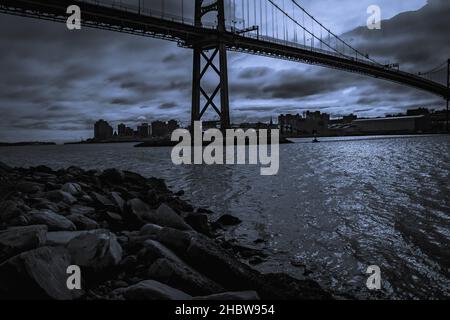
x=165 y=216
x=118 y=201
x=60 y=196
x=150 y=229
x=96 y=250
x=19 y=239
x=231 y=296
x=9 y=210
x=29 y=187
x=102 y=202
x=82 y=222
x=139 y=210
x=155 y=250
x=72 y=188
x=37 y=274
x=79 y=209
x=113 y=176
x=228 y=220
x=153 y=290
x=180 y=275
x=53 y=221
x=62 y=238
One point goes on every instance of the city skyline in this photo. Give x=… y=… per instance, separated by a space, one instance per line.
x=74 y=88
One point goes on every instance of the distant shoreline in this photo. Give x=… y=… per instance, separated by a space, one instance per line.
x=21 y=144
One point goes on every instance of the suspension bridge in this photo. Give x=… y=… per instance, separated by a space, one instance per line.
x=280 y=29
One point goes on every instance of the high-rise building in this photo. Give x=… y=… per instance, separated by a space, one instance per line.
x=122 y=130
x=144 y=130
x=172 y=125
x=159 y=129
x=102 y=130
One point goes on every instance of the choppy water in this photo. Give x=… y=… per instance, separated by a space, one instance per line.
x=336 y=207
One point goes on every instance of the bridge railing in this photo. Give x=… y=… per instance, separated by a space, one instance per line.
x=146 y=11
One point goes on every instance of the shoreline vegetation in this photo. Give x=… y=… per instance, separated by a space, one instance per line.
x=132 y=237
x=22 y=144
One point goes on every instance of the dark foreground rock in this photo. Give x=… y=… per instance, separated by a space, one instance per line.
x=131 y=237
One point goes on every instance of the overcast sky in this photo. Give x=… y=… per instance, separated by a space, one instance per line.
x=55 y=83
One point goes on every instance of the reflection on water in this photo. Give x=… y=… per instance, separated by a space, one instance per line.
x=337 y=206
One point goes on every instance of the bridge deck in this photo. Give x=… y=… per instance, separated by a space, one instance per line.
x=153 y=24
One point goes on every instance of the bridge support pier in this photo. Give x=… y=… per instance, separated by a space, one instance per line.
x=202 y=52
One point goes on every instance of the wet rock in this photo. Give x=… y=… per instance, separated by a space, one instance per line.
x=153 y=290
x=83 y=210
x=180 y=275
x=41 y=203
x=102 y=201
x=152 y=197
x=129 y=263
x=96 y=250
x=62 y=238
x=139 y=209
x=9 y=210
x=114 y=176
x=155 y=250
x=150 y=229
x=53 y=221
x=29 y=187
x=19 y=239
x=199 y=222
x=82 y=222
x=176 y=240
x=230 y=296
x=72 y=188
x=113 y=216
x=228 y=220
x=118 y=201
x=60 y=196
x=167 y=217
x=37 y=274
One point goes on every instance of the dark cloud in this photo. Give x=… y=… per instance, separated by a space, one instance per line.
x=55 y=82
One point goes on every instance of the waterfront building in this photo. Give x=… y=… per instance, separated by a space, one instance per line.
x=102 y=130
x=144 y=130
x=392 y=125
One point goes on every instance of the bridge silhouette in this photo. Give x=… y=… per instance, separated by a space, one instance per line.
x=261 y=27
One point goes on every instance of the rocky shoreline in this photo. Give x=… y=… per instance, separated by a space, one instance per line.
x=132 y=238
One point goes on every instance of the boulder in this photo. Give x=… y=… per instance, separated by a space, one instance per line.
x=153 y=290
x=37 y=274
x=150 y=229
x=102 y=201
x=62 y=238
x=72 y=188
x=180 y=275
x=230 y=296
x=113 y=176
x=60 y=196
x=228 y=220
x=96 y=250
x=139 y=209
x=199 y=222
x=29 y=187
x=9 y=210
x=79 y=209
x=165 y=216
x=82 y=222
x=155 y=250
x=53 y=221
x=118 y=201
x=19 y=239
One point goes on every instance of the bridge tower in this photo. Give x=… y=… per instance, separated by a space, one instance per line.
x=202 y=51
